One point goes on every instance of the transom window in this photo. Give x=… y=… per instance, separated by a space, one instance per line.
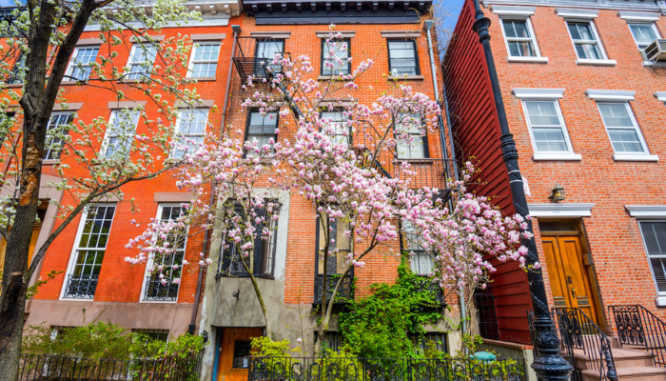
x=520 y=38
x=421 y=262
x=644 y=34
x=190 y=131
x=141 y=61
x=623 y=130
x=335 y=57
x=262 y=128
x=89 y=251
x=547 y=127
x=120 y=134
x=80 y=65
x=204 y=60
x=156 y=289
x=654 y=237
x=57 y=125
x=586 y=40
x=412 y=144
x=403 y=57
x=340 y=125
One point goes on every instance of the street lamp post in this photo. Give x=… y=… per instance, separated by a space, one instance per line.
x=548 y=364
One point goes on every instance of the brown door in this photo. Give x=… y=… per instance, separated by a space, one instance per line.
x=235 y=353
x=568 y=274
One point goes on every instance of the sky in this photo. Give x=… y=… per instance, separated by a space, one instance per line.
x=452 y=8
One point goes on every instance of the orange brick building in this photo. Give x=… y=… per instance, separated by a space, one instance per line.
x=586 y=108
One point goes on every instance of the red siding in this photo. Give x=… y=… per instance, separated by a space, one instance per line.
x=476 y=133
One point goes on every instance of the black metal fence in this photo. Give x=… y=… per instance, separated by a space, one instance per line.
x=384 y=369
x=636 y=326
x=58 y=368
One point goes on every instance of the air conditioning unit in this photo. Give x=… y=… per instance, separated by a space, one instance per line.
x=656 y=51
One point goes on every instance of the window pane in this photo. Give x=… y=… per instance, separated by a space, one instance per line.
x=83 y=58
x=402 y=56
x=516 y=29
x=542 y=114
x=335 y=53
x=625 y=141
x=53 y=144
x=521 y=49
x=581 y=31
x=643 y=33
x=204 y=60
x=550 y=140
x=191 y=131
x=654 y=235
x=121 y=132
x=615 y=115
x=341 y=133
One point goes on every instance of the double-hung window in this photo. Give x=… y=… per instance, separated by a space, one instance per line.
x=403 y=57
x=120 y=134
x=623 y=130
x=654 y=237
x=338 y=126
x=265 y=52
x=80 y=65
x=262 y=128
x=335 y=57
x=586 y=41
x=519 y=37
x=409 y=133
x=141 y=61
x=163 y=288
x=339 y=246
x=190 y=131
x=421 y=262
x=89 y=251
x=56 y=128
x=203 y=62
x=644 y=34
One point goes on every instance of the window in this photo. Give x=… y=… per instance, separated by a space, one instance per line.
x=242 y=352
x=654 y=238
x=547 y=127
x=332 y=341
x=412 y=144
x=141 y=61
x=264 y=249
x=339 y=125
x=154 y=334
x=120 y=134
x=204 y=60
x=338 y=247
x=264 y=54
x=519 y=38
x=430 y=342
x=586 y=40
x=622 y=128
x=155 y=289
x=80 y=65
x=18 y=72
x=262 y=128
x=484 y=301
x=190 y=131
x=644 y=34
x=403 y=58
x=421 y=262
x=335 y=57
x=7 y=121
x=89 y=251
x=57 y=125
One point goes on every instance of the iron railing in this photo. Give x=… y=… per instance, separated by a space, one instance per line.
x=345 y=293
x=81 y=286
x=636 y=326
x=157 y=291
x=424 y=283
x=58 y=368
x=248 y=64
x=384 y=369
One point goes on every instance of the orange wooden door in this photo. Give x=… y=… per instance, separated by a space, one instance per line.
x=235 y=340
x=569 y=278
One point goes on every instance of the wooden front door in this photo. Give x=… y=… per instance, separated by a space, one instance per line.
x=234 y=360
x=568 y=273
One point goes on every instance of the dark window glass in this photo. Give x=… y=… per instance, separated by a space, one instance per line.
x=338 y=248
x=403 y=58
x=265 y=53
x=332 y=341
x=654 y=235
x=430 y=341
x=555 y=226
x=262 y=128
x=155 y=334
x=242 y=351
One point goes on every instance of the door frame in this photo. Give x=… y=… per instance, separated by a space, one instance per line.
x=219 y=337
x=587 y=254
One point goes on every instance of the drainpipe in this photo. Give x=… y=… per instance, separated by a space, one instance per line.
x=433 y=69
x=548 y=363
x=195 y=308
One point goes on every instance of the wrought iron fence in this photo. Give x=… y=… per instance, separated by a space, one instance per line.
x=639 y=327
x=384 y=369
x=345 y=293
x=81 y=286
x=157 y=290
x=59 y=368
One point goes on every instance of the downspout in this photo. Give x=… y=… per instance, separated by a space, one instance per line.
x=428 y=26
x=195 y=308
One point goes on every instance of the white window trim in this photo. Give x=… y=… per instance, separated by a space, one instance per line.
x=547 y=95
x=535 y=44
x=638 y=16
x=129 y=62
x=611 y=95
x=70 y=65
x=142 y=297
x=587 y=61
x=179 y=119
x=552 y=210
x=62 y=147
x=507 y=10
x=190 y=65
x=75 y=247
x=588 y=14
x=647 y=211
x=112 y=118
x=625 y=156
x=661 y=298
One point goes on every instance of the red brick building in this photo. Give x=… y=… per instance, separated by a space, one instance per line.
x=586 y=108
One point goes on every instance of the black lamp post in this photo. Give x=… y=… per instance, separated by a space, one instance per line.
x=548 y=363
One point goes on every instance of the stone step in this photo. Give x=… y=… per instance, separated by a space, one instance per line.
x=637 y=373
x=624 y=358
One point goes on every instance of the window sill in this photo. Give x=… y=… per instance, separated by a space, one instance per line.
x=408 y=77
x=628 y=157
x=13 y=85
x=329 y=77
x=50 y=162
x=660 y=301
x=556 y=157
x=528 y=59
x=200 y=79
x=143 y=80
x=159 y=301
x=596 y=62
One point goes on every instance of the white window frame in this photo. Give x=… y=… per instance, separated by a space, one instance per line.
x=587 y=61
x=107 y=134
x=641 y=49
x=661 y=294
x=142 y=297
x=625 y=156
x=547 y=95
x=130 y=63
x=190 y=65
x=175 y=149
x=532 y=38
x=49 y=140
x=73 y=257
x=72 y=61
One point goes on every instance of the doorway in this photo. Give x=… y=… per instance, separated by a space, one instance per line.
x=234 y=346
x=570 y=267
